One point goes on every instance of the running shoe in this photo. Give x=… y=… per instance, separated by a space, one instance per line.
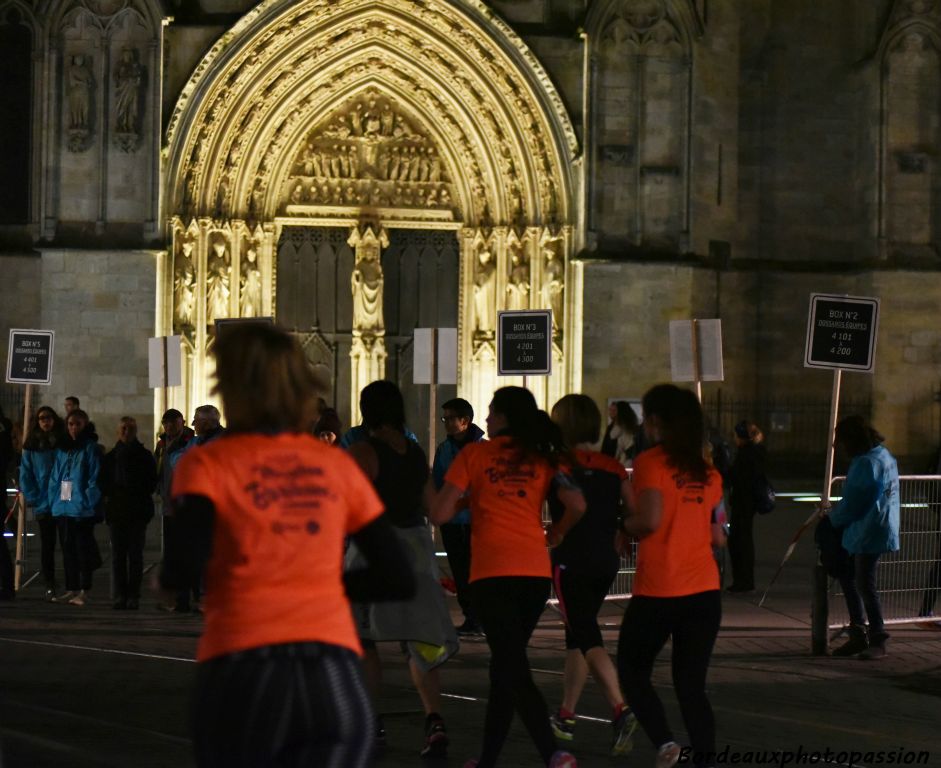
x=624 y=728
x=563 y=759
x=562 y=727
x=65 y=597
x=668 y=756
x=50 y=596
x=471 y=764
x=436 y=737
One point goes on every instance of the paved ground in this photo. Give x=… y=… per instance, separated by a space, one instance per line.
x=84 y=687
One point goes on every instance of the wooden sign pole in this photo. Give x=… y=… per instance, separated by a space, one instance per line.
x=21 y=501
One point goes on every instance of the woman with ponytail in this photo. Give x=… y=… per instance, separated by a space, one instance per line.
x=677 y=517
x=508 y=479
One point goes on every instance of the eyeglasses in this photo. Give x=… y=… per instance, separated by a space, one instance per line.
x=446 y=419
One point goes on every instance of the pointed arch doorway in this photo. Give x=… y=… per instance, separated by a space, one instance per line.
x=421 y=287
x=392 y=120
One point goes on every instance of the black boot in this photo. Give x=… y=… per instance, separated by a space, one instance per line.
x=857 y=642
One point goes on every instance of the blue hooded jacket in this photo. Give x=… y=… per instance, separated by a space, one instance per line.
x=868 y=513
x=35 y=468
x=79 y=463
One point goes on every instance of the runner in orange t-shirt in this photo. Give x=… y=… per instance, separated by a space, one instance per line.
x=677 y=516
x=508 y=480
x=266 y=508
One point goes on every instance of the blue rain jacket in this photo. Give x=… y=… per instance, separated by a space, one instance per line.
x=868 y=513
x=81 y=465
x=35 y=468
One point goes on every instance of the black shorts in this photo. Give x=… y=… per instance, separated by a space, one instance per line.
x=581 y=590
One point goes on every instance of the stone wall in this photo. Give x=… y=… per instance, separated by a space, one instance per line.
x=101 y=306
x=20 y=283
x=764 y=324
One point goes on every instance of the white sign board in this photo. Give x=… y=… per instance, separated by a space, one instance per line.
x=708 y=345
x=841 y=332
x=165 y=362
x=424 y=363
x=29 y=357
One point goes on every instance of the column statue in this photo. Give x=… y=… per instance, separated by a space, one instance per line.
x=484 y=291
x=250 y=294
x=217 y=282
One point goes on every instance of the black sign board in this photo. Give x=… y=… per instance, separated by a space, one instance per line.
x=524 y=343
x=29 y=360
x=841 y=332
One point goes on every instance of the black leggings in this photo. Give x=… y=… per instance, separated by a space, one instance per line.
x=48 y=530
x=693 y=622
x=581 y=590
x=284 y=706
x=509 y=608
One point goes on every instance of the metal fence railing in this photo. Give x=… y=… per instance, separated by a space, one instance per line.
x=909 y=581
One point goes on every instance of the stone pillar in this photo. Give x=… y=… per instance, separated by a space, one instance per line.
x=368 y=351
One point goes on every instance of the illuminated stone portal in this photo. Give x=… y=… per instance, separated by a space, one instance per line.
x=373 y=116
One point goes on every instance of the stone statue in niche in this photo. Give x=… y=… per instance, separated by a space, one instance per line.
x=485 y=277
x=128 y=79
x=250 y=293
x=366 y=282
x=184 y=286
x=518 y=285
x=81 y=84
x=554 y=280
x=217 y=282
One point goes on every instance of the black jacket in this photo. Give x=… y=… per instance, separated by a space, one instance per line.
x=128 y=478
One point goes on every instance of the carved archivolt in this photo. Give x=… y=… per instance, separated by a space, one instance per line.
x=258 y=130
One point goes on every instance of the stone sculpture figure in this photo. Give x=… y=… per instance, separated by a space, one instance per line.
x=128 y=77
x=366 y=282
x=184 y=286
x=517 y=289
x=554 y=285
x=81 y=83
x=217 y=282
x=250 y=294
x=484 y=291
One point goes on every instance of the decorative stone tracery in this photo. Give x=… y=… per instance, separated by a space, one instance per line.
x=376 y=114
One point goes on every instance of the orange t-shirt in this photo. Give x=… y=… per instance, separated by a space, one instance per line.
x=676 y=559
x=506 y=498
x=283 y=504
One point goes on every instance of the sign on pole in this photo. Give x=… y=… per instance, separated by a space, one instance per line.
x=429 y=368
x=696 y=350
x=29 y=359
x=524 y=342
x=841 y=332
x=164 y=362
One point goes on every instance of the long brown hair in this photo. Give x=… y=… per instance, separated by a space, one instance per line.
x=264 y=380
x=683 y=428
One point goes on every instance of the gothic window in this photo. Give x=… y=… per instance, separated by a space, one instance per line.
x=16 y=107
x=641 y=132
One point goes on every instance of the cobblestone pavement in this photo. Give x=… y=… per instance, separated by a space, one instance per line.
x=83 y=687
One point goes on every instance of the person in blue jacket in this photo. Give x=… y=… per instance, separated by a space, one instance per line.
x=868 y=515
x=39 y=451
x=73 y=496
x=458 y=420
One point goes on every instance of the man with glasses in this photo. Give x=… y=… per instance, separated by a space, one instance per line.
x=458 y=420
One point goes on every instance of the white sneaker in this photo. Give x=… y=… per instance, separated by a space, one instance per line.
x=668 y=756
x=79 y=599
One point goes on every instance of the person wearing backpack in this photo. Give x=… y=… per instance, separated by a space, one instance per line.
x=745 y=477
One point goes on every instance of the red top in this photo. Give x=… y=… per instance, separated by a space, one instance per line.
x=283 y=505
x=506 y=498
x=676 y=559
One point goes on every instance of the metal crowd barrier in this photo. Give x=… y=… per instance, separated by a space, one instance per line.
x=908 y=581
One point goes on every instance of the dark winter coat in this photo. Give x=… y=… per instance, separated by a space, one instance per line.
x=128 y=478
